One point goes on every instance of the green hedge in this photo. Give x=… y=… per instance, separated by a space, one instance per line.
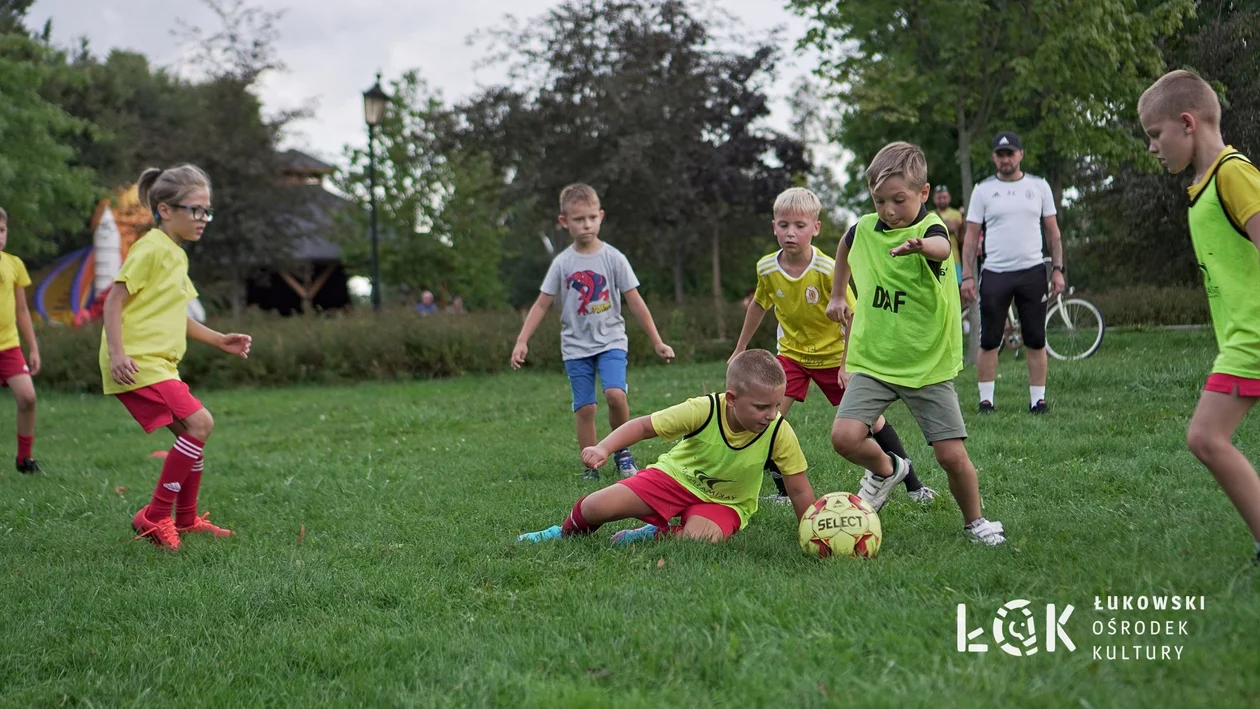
x=401 y=345
x=393 y=345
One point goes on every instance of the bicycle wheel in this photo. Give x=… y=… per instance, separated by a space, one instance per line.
x=1074 y=329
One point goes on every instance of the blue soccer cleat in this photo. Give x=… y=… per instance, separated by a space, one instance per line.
x=625 y=463
x=630 y=536
x=546 y=535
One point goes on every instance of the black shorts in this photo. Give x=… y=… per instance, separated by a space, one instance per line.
x=1029 y=290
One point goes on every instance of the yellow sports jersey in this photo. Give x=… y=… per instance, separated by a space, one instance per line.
x=806 y=336
x=1237 y=184
x=715 y=463
x=12 y=276
x=948 y=215
x=155 y=318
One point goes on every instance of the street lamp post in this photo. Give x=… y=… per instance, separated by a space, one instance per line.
x=374 y=100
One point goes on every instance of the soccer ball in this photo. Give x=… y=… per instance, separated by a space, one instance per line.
x=841 y=524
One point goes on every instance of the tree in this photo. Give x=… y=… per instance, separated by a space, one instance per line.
x=632 y=97
x=43 y=190
x=439 y=207
x=1058 y=71
x=1219 y=43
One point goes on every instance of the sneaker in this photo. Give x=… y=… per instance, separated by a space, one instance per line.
x=986 y=407
x=630 y=536
x=625 y=463
x=1039 y=408
x=777 y=499
x=923 y=495
x=161 y=533
x=545 y=535
x=590 y=474
x=202 y=525
x=875 y=490
x=29 y=466
x=986 y=532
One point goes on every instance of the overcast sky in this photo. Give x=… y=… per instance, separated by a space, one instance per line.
x=333 y=48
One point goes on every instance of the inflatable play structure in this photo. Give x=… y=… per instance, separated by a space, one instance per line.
x=71 y=290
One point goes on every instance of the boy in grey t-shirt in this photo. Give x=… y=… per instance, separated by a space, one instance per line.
x=590 y=278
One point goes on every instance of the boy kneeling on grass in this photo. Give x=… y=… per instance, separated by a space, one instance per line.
x=711 y=478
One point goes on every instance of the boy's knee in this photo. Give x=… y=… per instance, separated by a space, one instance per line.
x=586 y=412
x=950 y=455
x=615 y=397
x=1202 y=441
x=200 y=425
x=26 y=401
x=846 y=439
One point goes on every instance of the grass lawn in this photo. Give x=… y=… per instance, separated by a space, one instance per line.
x=375 y=565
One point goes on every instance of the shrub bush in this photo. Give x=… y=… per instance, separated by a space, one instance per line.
x=338 y=348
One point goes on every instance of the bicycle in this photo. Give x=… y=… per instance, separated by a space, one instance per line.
x=1074 y=326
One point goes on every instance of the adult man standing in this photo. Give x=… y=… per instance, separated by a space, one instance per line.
x=1015 y=209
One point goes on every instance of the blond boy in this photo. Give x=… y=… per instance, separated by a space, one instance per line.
x=906 y=339
x=590 y=278
x=796 y=282
x=1181 y=115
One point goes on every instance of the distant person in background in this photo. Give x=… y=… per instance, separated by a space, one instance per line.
x=749 y=297
x=427 y=306
x=15 y=373
x=457 y=306
x=953 y=223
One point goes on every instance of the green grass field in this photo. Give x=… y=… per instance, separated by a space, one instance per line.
x=406 y=589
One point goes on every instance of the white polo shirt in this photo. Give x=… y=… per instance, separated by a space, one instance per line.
x=1011 y=213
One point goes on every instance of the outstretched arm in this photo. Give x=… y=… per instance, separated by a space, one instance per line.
x=231 y=343
x=626 y=435
x=752 y=320
x=800 y=492
x=535 y=317
x=644 y=316
x=27 y=329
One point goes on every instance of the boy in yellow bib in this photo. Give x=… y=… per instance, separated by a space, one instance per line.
x=711 y=478
x=795 y=282
x=905 y=336
x=1181 y=115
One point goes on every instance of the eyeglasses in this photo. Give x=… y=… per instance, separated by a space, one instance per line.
x=201 y=214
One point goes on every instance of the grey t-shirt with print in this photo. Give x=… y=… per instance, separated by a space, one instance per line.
x=588 y=288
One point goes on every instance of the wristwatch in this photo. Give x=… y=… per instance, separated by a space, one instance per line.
x=1060 y=269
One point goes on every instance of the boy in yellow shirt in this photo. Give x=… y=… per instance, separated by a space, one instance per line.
x=796 y=282
x=14 y=371
x=711 y=478
x=1181 y=115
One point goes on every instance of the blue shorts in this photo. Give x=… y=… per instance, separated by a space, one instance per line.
x=611 y=366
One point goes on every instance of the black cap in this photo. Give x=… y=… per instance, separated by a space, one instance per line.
x=1007 y=141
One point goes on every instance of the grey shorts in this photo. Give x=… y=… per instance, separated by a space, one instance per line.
x=934 y=406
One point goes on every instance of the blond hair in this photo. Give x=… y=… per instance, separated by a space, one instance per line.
x=4 y=216
x=577 y=193
x=1180 y=92
x=897 y=159
x=157 y=186
x=754 y=368
x=798 y=200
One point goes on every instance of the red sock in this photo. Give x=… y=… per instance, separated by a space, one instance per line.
x=179 y=464
x=576 y=523
x=24 y=447
x=186 y=500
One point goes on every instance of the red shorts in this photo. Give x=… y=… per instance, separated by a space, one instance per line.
x=161 y=404
x=12 y=364
x=798 y=377
x=669 y=499
x=1226 y=384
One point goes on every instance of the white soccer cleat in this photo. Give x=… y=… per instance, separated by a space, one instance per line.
x=986 y=532
x=875 y=490
x=777 y=499
x=924 y=495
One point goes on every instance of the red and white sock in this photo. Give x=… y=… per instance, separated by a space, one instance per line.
x=186 y=499
x=575 y=523
x=175 y=471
